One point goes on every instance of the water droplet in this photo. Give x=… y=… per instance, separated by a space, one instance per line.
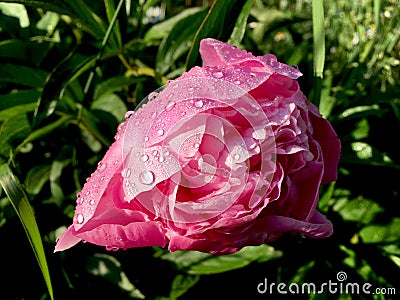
x=80 y=219
x=237 y=82
x=144 y=158
x=199 y=104
x=146 y=138
x=161 y=159
x=126 y=172
x=101 y=167
x=155 y=152
x=153 y=115
x=112 y=248
x=147 y=177
x=217 y=75
x=152 y=96
x=236 y=156
x=115 y=162
x=160 y=132
x=190 y=90
x=170 y=106
x=197 y=145
x=92 y=202
x=128 y=114
x=166 y=153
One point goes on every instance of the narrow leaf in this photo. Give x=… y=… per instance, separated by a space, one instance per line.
x=241 y=23
x=218 y=23
x=20 y=202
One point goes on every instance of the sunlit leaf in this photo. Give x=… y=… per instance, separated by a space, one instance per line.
x=218 y=23
x=178 y=41
x=36 y=179
x=197 y=263
x=181 y=284
x=241 y=23
x=162 y=29
x=381 y=233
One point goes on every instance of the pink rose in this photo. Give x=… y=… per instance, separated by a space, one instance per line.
x=228 y=155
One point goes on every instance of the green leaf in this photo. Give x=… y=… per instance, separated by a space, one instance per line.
x=68 y=70
x=48 y=22
x=25 y=76
x=387 y=233
x=177 y=43
x=12 y=129
x=360 y=210
x=15 y=98
x=241 y=24
x=44 y=131
x=318 y=37
x=21 y=109
x=218 y=23
x=16 y=10
x=36 y=179
x=109 y=268
x=52 y=5
x=197 y=263
x=114 y=84
x=162 y=29
x=20 y=202
x=318 y=48
x=110 y=10
x=15 y=49
x=112 y=104
x=181 y=284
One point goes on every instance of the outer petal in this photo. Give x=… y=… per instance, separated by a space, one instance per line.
x=217 y=53
x=330 y=145
x=317 y=227
x=67 y=240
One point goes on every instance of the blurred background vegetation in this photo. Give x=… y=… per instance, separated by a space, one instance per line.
x=66 y=79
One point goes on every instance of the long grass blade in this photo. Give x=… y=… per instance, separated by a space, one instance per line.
x=318 y=48
x=20 y=203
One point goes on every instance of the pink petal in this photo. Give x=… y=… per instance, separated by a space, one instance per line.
x=317 y=227
x=67 y=240
x=136 y=234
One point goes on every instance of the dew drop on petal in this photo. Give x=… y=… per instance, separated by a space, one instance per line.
x=128 y=114
x=80 y=219
x=92 y=202
x=237 y=82
x=199 y=104
x=147 y=177
x=190 y=90
x=217 y=75
x=144 y=158
x=160 y=132
x=101 y=167
x=236 y=156
x=126 y=172
x=169 y=106
x=146 y=138
x=152 y=96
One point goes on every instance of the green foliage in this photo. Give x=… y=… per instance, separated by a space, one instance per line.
x=69 y=70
